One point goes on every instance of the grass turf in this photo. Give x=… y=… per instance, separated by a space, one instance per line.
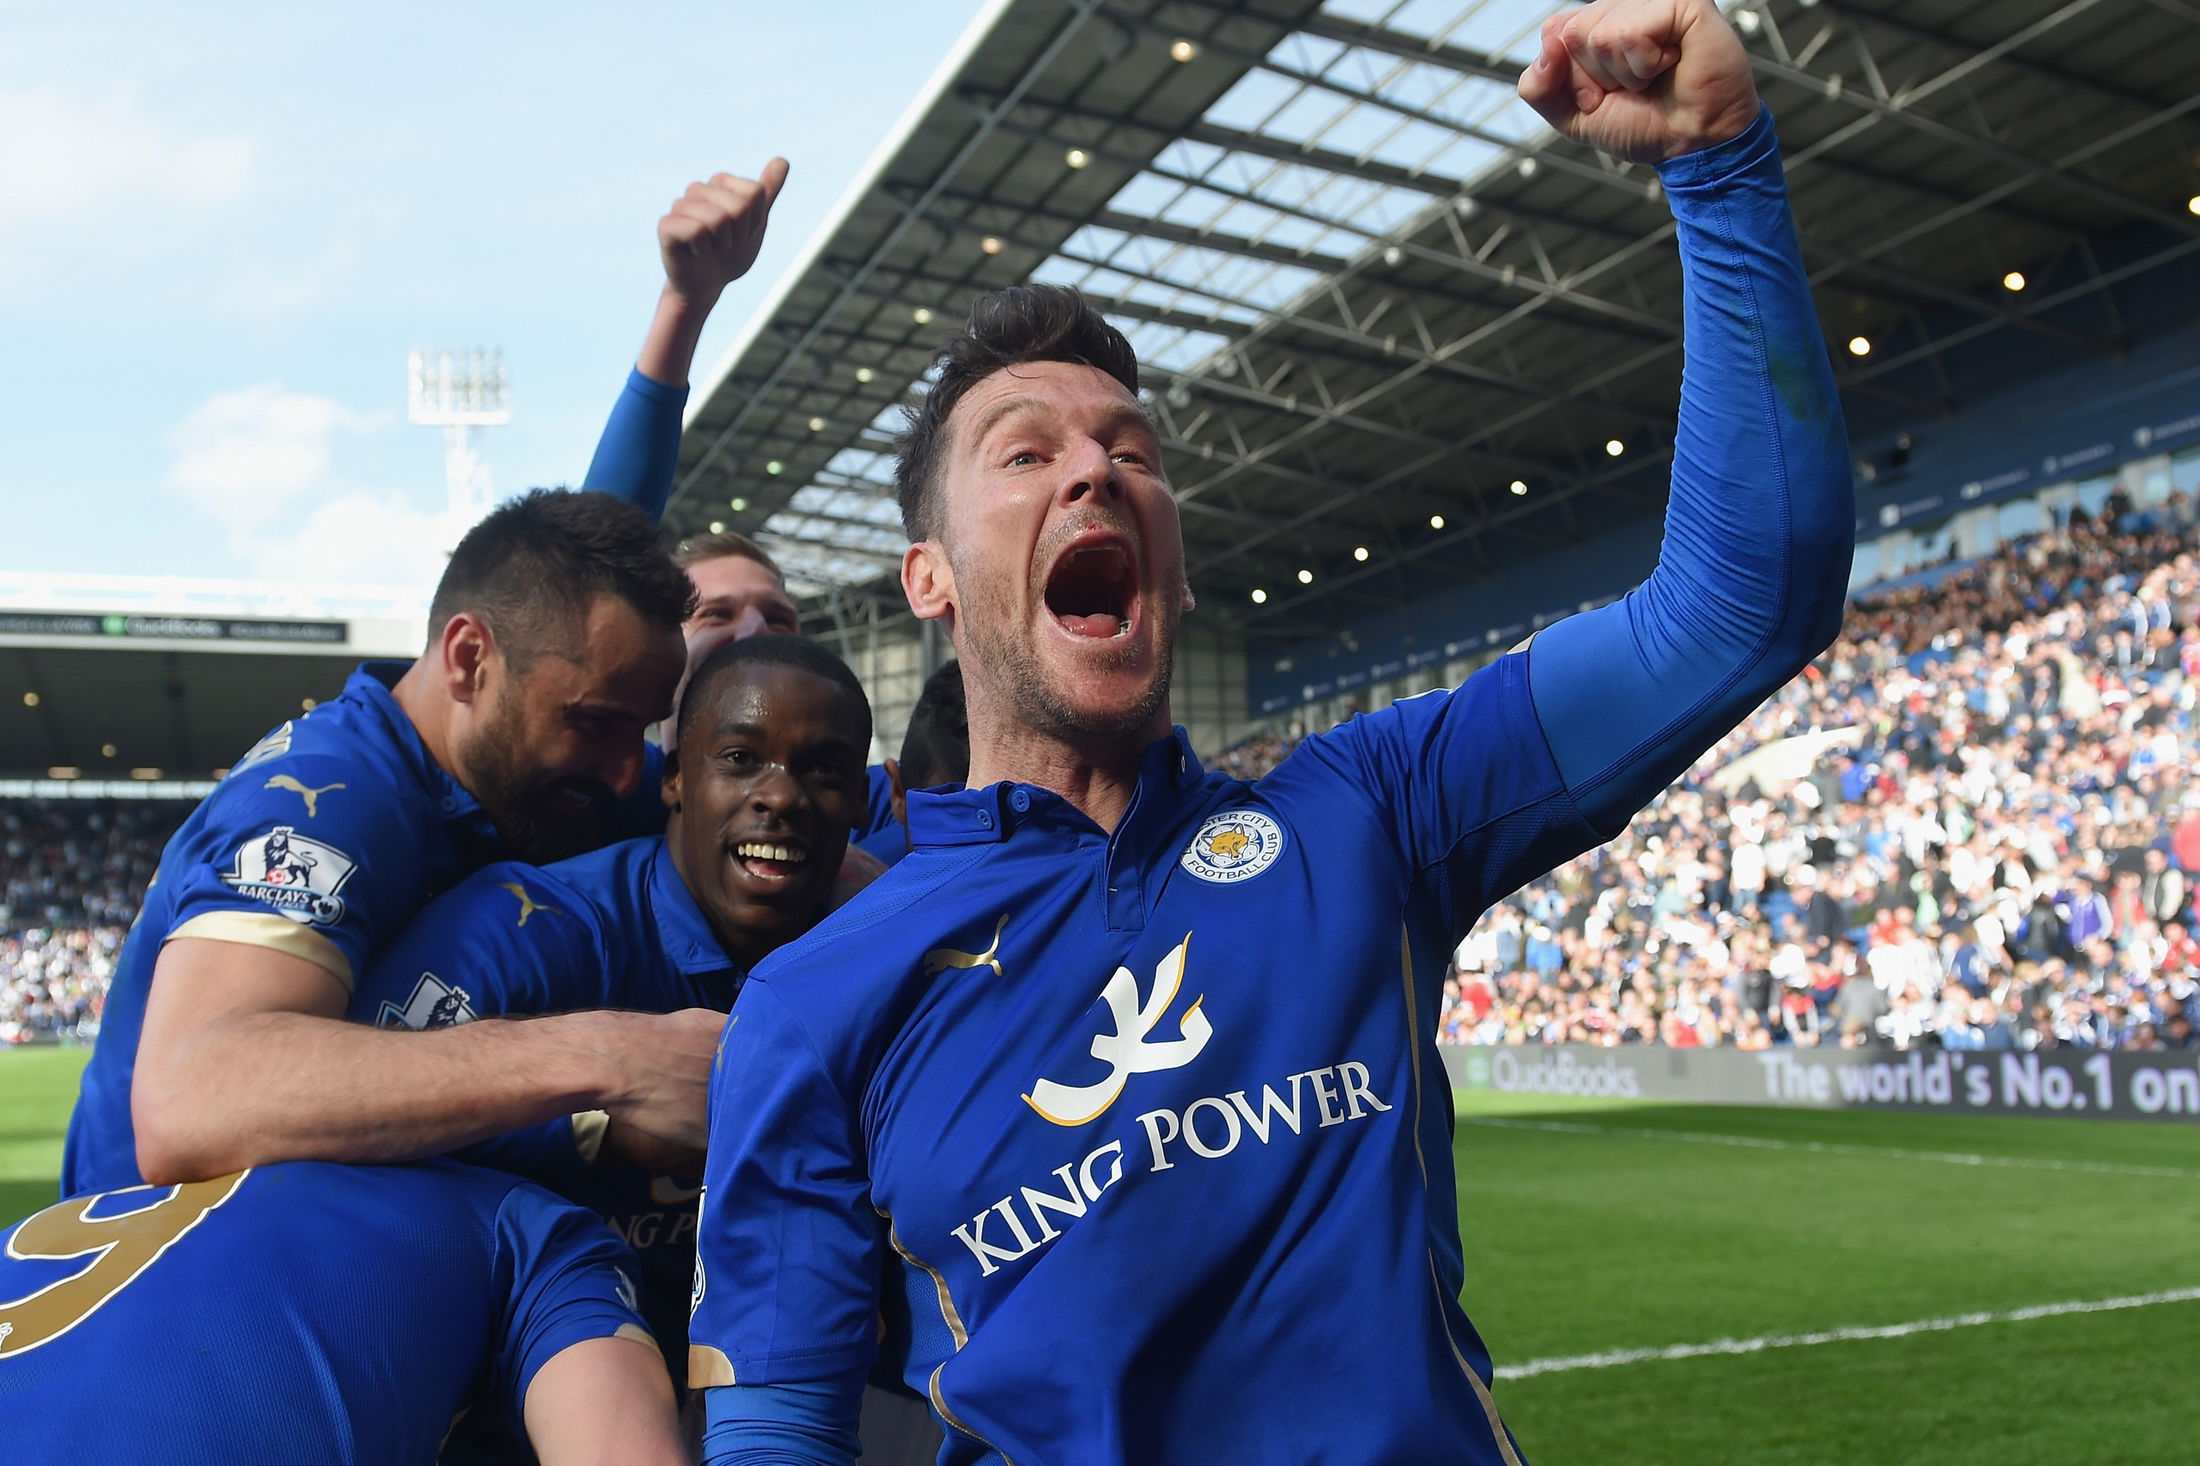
x=1614 y=1239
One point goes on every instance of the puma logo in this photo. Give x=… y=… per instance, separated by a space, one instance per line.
x=1128 y=1050
x=528 y=905
x=939 y=959
x=311 y=796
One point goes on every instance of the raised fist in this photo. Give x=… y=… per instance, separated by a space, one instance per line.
x=710 y=236
x=1643 y=80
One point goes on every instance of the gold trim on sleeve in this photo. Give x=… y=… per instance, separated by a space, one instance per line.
x=266 y=929
x=708 y=1368
x=589 y=1128
x=635 y=1332
x=948 y=1314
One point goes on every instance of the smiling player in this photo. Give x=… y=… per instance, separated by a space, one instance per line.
x=1123 y=1086
x=763 y=792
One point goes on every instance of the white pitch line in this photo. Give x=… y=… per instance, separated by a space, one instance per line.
x=1822 y=1147
x=1611 y=1357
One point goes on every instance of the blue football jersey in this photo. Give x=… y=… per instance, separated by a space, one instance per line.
x=324 y=838
x=615 y=928
x=1038 y=1070
x=298 y=1313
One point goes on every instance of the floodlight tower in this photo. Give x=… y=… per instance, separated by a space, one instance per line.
x=459 y=391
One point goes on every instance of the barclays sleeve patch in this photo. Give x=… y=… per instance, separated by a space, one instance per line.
x=300 y=877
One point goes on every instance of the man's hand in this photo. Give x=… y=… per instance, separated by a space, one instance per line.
x=665 y=1060
x=1643 y=80
x=710 y=236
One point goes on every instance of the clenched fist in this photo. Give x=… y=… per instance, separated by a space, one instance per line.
x=710 y=236
x=1643 y=80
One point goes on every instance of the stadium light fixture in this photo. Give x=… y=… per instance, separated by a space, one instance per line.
x=1306 y=577
x=1359 y=553
x=1527 y=168
x=2192 y=204
x=775 y=468
x=1614 y=447
x=1436 y=521
x=145 y=775
x=1077 y=157
x=2014 y=281
x=1260 y=597
x=30 y=699
x=817 y=425
x=1860 y=346
x=737 y=505
x=459 y=391
x=64 y=771
x=717 y=526
x=1519 y=488
x=864 y=375
x=307 y=704
x=219 y=774
x=1182 y=51
x=991 y=244
x=106 y=750
x=922 y=315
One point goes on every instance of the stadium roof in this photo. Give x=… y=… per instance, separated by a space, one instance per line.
x=1373 y=293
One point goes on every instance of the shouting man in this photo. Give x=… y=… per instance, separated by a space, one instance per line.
x=1120 y=1095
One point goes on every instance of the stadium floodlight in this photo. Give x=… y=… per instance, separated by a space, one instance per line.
x=459 y=391
x=2013 y=281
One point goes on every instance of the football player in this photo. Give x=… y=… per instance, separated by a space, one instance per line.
x=516 y=733
x=1124 y=1083
x=322 y=1315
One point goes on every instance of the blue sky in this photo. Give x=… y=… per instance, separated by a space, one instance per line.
x=222 y=228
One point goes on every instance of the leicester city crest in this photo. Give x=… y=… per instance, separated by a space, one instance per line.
x=1233 y=846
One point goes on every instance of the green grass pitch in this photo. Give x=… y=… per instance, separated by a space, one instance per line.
x=1596 y=1227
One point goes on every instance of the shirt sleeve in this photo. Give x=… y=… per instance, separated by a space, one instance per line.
x=640 y=446
x=813 y=1423
x=307 y=853
x=1760 y=529
x=567 y=1279
x=1549 y=751
x=789 y=1247
x=506 y=940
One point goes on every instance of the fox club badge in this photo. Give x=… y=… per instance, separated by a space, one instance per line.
x=1233 y=846
x=295 y=874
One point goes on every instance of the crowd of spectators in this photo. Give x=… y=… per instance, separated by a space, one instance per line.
x=71 y=875
x=1993 y=846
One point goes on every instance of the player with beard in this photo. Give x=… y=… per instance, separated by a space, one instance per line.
x=1122 y=1088
x=515 y=735
x=555 y=641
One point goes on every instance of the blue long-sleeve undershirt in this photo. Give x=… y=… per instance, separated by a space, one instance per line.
x=1749 y=586
x=640 y=446
x=1761 y=526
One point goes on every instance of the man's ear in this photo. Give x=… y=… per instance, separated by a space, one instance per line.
x=468 y=649
x=900 y=796
x=669 y=789
x=928 y=580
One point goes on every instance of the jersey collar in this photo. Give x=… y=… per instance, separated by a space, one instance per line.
x=948 y=817
x=688 y=942
x=371 y=686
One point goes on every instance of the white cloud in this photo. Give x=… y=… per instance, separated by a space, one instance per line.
x=260 y=462
x=69 y=157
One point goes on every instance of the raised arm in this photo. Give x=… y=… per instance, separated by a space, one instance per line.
x=708 y=240
x=1760 y=529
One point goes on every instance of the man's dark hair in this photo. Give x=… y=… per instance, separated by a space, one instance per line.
x=530 y=569
x=1023 y=323
x=936 y=749
x=777 y=651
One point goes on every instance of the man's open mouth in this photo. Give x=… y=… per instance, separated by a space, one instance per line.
x=771 y=862
x=1093 y=590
